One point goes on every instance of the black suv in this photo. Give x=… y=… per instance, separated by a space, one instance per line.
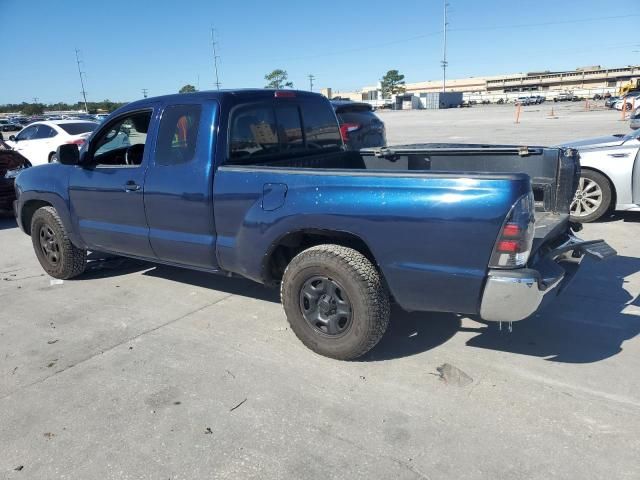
x=359 y=126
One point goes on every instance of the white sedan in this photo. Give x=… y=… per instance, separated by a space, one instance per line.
x=40 y=140
x=609 y=176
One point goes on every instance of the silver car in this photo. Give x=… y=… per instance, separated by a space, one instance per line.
x=610 y=176
x=634 y=121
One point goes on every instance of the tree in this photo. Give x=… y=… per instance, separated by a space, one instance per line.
x=392 y=83
x=33 y=109
x=187 y=89
x=277 y=79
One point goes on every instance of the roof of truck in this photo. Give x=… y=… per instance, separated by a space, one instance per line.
x=208 y=94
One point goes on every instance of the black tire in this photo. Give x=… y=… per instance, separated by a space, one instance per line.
x=605 y=198
x=53 y=158
x=56 y=254
x=356 y=281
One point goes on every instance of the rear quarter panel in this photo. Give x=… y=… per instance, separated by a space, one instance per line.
x=431 y=235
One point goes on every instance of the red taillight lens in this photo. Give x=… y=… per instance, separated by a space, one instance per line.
x=284 y=94
x=511 y=230
x=79 y=141
x=507 y=246
x=514 y=242
x=346 y=128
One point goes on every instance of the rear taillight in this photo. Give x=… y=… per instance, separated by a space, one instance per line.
x=347 y=128
x=513 y=245
x=79 y=141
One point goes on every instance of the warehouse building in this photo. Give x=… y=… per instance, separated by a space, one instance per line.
x=585 y=81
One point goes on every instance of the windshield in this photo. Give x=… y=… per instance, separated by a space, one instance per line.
x=78 y=128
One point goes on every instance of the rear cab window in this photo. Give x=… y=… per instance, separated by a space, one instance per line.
x=261 y=133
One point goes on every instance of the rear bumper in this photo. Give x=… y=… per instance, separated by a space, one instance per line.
x=513 y=295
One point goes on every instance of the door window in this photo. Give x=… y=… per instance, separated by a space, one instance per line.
x=178 y=134
x=44 y=131
x=123 y=141
x=27 y=133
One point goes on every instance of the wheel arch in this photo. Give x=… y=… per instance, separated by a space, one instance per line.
x=29 y=208
x=282 y=251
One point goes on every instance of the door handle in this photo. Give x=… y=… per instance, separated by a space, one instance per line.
x=131 y=186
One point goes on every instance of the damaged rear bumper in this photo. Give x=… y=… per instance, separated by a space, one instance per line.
x=513 y=295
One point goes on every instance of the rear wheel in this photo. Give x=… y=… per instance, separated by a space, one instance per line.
x=335 y=301
x=592 y=198
x=55 y=252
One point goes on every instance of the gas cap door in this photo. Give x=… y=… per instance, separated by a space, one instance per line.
x=273 y=195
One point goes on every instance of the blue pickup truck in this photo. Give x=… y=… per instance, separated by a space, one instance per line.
x=257 y=183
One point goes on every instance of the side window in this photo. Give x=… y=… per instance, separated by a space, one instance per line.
x=44 y=131
x=320 y=126
x=253 y=133
x=27 y=133
x=123 y=141
x=178 y=134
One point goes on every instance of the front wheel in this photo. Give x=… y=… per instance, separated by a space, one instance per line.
x=335 y=301
x=592 y=198
x=55 y=252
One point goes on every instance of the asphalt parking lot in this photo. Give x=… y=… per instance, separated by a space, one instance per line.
x=136 y=371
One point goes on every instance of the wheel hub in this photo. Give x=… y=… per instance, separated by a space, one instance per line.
x=325 y=306
x=587 y=199
x=49 y=244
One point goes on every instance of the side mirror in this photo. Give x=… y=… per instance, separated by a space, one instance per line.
x=13 y=138
x=68 y=154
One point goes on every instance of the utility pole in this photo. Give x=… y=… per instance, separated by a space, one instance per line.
x=80 y=72
x=444 y=62
x=144 y=92
x=35 y=99
x=215 y=56
x=311 y=79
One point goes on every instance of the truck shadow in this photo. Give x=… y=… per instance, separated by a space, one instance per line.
x=588 y=322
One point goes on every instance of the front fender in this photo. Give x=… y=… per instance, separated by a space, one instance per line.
x=46 y=184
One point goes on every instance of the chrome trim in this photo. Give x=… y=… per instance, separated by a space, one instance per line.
x=513 y=298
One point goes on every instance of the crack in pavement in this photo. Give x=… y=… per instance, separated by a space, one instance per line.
x=112 y=347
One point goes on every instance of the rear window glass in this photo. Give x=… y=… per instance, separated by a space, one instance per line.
x=271 y=131
x=78 y=128
x=178 y=134
x=357 y=117
x=320 y=126
x=253 y=133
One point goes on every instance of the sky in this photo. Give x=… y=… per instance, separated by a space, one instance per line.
x=161 y=45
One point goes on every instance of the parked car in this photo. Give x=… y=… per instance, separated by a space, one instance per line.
x=610 y=101
x=523 y=101
x=257 y=183
x=359 y=126
x=610 y=176
x=39 y=141
x=563 y=97
x=11 y=164
x=7 y=126
x=634 y=121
